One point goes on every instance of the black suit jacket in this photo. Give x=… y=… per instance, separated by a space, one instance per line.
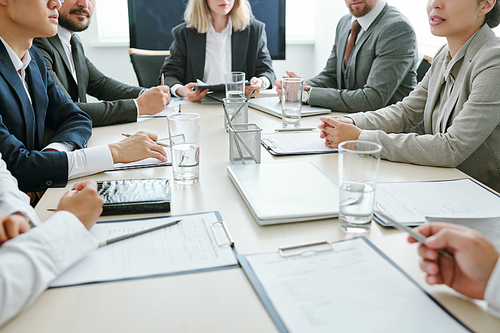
x=22 y=124
x=249 y=54
x=118 y=107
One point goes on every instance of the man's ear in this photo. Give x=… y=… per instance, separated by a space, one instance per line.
x=486 y=6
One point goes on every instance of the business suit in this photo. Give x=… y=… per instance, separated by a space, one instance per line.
x=118 y=106
x=249 y=54
x=465 y=131
x=22 y=124
x=381 y=70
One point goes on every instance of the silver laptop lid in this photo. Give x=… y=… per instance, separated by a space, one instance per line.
x=272 y=105
x=286 y=192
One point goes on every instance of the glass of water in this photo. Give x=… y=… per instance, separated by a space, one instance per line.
x=184 y=135
x=235 y=85
x=291 y=101
x=358 y=170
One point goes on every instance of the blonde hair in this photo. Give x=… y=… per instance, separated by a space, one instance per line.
x=197 y=15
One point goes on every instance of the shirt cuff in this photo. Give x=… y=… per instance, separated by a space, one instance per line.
x=84 y=162
x=266 y=82
x=173 y=91
x=137 y=107
x=492 y=292
x=60 y=146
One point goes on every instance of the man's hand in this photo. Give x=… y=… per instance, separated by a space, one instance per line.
x=12 y=226
x=277 y=83
x=137 y=147
x=153 y=100
x=475 y=258
x=336 y=130
x=255 y=85
x=192 y=96
x=84 y=202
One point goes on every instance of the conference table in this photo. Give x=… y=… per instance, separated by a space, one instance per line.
x=220 y=300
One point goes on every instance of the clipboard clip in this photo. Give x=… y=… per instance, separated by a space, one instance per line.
x=225 y=231
x=298 y=250
x=268 y=144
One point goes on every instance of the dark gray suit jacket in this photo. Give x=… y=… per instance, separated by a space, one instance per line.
x=381 y=70
x=118 y=107
x=249 y=54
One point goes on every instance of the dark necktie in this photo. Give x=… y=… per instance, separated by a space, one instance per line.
x=351 y=41
x=78 y=56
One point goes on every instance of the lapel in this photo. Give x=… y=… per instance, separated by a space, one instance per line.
x=39 y=100
x=341 y=46
x=239 y=45
x=56 y=43
x=10 y=76
x=197 y=58
x=433 y=90
x=351 y=69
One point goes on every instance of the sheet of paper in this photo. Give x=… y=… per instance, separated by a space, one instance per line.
x=295 y=142
x=350 y=289
x=411 y=202
x=188 y=245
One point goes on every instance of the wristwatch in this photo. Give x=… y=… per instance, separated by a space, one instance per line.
x=305 y=95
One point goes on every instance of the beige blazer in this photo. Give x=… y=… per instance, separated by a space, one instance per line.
x=467 y=132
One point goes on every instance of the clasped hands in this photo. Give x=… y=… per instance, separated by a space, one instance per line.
x=338 y=129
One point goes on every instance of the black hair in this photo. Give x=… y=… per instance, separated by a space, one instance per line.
x=493 y=16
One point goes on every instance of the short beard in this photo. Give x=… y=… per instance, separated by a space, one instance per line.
x=360 y=13
x=71 y=25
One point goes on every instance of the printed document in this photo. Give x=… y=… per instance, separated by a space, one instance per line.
x=350 y=289
x=411 y=202
x=186 y=246
x=295 y=143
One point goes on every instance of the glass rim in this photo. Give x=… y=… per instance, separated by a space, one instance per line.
x=179 y=116
x=293 y=79
x=377 y=147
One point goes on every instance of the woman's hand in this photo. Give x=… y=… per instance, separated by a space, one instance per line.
x=255 y=85
x=192 y=95
x=338 y=129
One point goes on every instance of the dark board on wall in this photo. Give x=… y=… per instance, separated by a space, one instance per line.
x=151 y=23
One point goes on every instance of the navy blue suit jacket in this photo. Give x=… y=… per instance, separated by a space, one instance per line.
x=22 y=124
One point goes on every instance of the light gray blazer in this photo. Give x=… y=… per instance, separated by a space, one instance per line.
x=467 y=136
x=381 y=70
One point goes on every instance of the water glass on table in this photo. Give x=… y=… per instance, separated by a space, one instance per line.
x=235 y=85
x=184 y=135
x=291 y=101
x=358 y=170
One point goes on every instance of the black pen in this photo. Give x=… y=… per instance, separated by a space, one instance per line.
x=157 y=142
x=117 y=239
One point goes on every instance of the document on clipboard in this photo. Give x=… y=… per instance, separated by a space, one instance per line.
x=199 y=242
x=411 y=203
x=295 y=143
x=347 y=286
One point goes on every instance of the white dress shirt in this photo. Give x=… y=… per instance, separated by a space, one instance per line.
x=82 y=162
x=30 y=261
x=367 y=20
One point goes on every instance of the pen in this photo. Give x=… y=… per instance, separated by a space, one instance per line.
x=162 y=79
x=241 y=107
x=157 y=142
x=117 y=239
x=418 y=237
x=295 y=129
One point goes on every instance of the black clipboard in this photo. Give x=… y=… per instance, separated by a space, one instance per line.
x=273 y=143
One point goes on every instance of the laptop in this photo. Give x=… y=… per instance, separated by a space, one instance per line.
x=286 y=192
x=272 y=106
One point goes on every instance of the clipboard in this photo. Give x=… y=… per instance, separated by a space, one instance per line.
x=89 y=270
x=324 y=249
x=295 y=143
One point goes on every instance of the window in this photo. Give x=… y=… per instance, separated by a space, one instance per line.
x=112 y=20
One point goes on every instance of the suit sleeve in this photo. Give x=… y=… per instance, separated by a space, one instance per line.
x=32 y=260
x=395 y=54
x=264 y=64
x=174 y=66
x=327 y=78
x=470 y=128
x=117 y=104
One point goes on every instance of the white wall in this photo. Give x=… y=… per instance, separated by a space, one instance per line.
x=305 y=59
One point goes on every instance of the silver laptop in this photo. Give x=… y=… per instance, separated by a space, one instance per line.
x=286 y=192
x=272 y=105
